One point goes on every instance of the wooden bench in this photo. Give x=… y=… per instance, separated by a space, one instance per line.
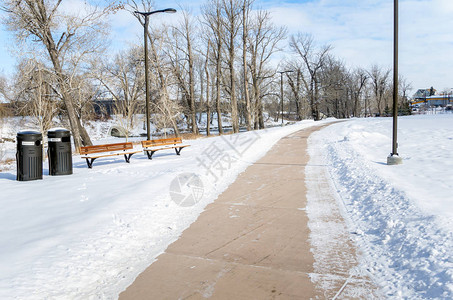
x=151 y=146
x=90 y=153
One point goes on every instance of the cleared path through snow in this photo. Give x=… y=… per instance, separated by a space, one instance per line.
x=254 y=242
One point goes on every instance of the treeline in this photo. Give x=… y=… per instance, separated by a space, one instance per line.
x=223 y=62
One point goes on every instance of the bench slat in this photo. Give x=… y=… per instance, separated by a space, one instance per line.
x=106 y=148
x=161 y=142
x=151 y=146
x=157 y=148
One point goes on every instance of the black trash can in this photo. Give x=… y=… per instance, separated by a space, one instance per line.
x=59 y=151
x=29 y=155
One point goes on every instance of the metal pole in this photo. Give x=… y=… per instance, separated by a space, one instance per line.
x=281 y=87
x=395 y=78
x=394 y=158
x=281 y=92
x=148 y=135
x=146 y=16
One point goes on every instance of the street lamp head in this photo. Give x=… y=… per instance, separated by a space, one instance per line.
x=169 y=10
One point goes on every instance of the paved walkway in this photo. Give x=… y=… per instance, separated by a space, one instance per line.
x=253 y=242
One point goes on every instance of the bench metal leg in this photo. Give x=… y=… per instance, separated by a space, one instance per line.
x=127 y=157
x=178 y=150
x=90 y=162
x=150 y=153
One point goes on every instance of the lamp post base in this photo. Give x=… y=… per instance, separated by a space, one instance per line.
x=394 y=160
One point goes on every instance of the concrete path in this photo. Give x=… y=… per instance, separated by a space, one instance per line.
x=253 y=242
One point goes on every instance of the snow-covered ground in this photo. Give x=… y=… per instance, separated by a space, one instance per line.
x=100 y=131
x=401 y=216
x=88 y=235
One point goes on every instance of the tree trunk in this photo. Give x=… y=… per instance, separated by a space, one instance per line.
x=234 y=103
x=208 y=105
x=257 y=106
x=248 y=116
x=260 y=113
x=217 y=100
x=191 y=85
x=81 y=137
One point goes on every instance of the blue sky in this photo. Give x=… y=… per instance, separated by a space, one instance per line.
x=361 y=33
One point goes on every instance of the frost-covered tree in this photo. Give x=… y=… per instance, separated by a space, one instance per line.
x=65 y=38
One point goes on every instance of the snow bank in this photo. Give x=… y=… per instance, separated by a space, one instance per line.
x=400 y=216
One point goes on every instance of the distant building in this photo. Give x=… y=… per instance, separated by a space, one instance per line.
x=428 y=97
x=104 y=107
x=423 y=93
x=437 y=100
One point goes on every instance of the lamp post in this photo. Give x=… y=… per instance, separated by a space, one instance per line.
x=281 y=87
x=146 y=16
x=259 y=122
x=394 y=158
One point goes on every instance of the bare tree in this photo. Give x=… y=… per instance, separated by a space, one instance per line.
x=295 y=81
x=5 y=96
x=358 y=82
x=167 y=113
x=263 y=42
x=246 y=7
x=379 y=80
x=231 y=21
x=67 y=37
x=182 y=60
x=123 y=78
x=208 y=85
x=314 y=60
x=405 y=86
x=333 y=80
x=213 y=22
x=34 y=94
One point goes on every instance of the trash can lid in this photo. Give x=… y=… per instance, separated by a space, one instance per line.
x=57 y=129
x=29 y=135
x=28 y=132
x=58 y=132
